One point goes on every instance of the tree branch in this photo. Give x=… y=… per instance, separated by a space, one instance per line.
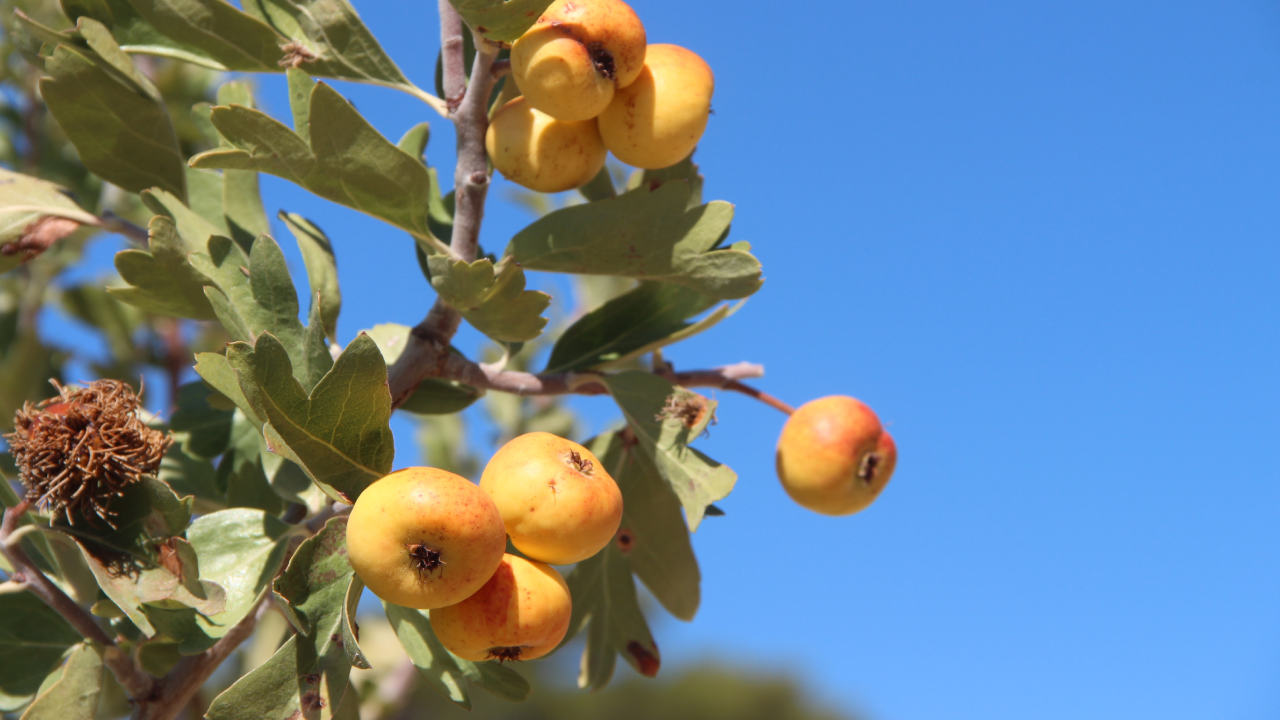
x=469 y=105
x=136 y=683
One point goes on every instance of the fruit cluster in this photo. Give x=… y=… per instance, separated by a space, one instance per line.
x=426 y=538
x=591 y=84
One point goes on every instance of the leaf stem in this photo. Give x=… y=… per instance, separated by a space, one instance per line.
x=136 y=683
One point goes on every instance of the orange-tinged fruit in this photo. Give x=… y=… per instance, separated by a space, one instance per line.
x=557 y=501
x=575 y=56
x=522 y=613
x=537 y=151
x=834 y=456
x=657 y=121
x=424 y=538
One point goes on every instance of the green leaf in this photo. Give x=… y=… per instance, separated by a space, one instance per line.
x=30 y=209
x=605 y=604
x=491 y=299
x=645 y=235
x=212 y=33
x=433 y=396
x=332 y=32
x=696 y=479
x=307 y=677
x=74 y=696
x=685 y=170
x=502 y=21
x=350 y=630
x=443 y=670
x=190 y=475
x=339 y=433
x=205 y=429
x=600 y=187
x=650 y=316
x=657 y=541
x=194 y=229
x=240 y=549
x=322 y=269
x=33 y=639
x=162 y=280
x=255 y=295
x=216 y=371
x=343 y=159
x=242 y=471
x=144 y=560
x=121 y=132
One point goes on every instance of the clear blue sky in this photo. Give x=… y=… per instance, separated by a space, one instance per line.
x=1041 y=239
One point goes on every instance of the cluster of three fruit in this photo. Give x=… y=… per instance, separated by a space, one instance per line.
x=426 y=538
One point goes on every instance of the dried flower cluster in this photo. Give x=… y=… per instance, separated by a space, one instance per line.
x=79 y=451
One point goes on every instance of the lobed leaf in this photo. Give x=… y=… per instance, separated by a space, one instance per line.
x=644 y=235
x=696 y=479
x=492 y=299
x=341 y=158
x=308 y=675
x=161 y=280
x=650 y=316
x=119 y=127
x=653 y=535
x=254 y=295
x=322 y=269
x=605 y=605
x=339 y=433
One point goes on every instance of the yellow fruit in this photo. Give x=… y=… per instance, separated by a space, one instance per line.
x=522 y=613
x=424 y=538
x=569 y=63
x=557 y=501
x=656 y=121
x=834 y=456
x=541 y=153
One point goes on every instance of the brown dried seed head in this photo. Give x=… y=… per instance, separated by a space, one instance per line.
x=686 y=406
x=77 y=452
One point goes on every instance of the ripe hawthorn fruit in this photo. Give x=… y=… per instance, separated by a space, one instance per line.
x=424 y=538
x=558 y=503
x=522 y=613
x=834 y=456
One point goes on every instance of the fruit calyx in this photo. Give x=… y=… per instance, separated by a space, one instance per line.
x=426 y=559
x=503 y=654
x=602 y=59
x=867 y=468
x=582 y=464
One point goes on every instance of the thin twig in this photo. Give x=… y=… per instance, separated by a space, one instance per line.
x=763 y=397
x=136 y=683
x=112 y=222
x=500 y=68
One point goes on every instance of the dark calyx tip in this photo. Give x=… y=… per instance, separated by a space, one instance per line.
x=603 y=60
